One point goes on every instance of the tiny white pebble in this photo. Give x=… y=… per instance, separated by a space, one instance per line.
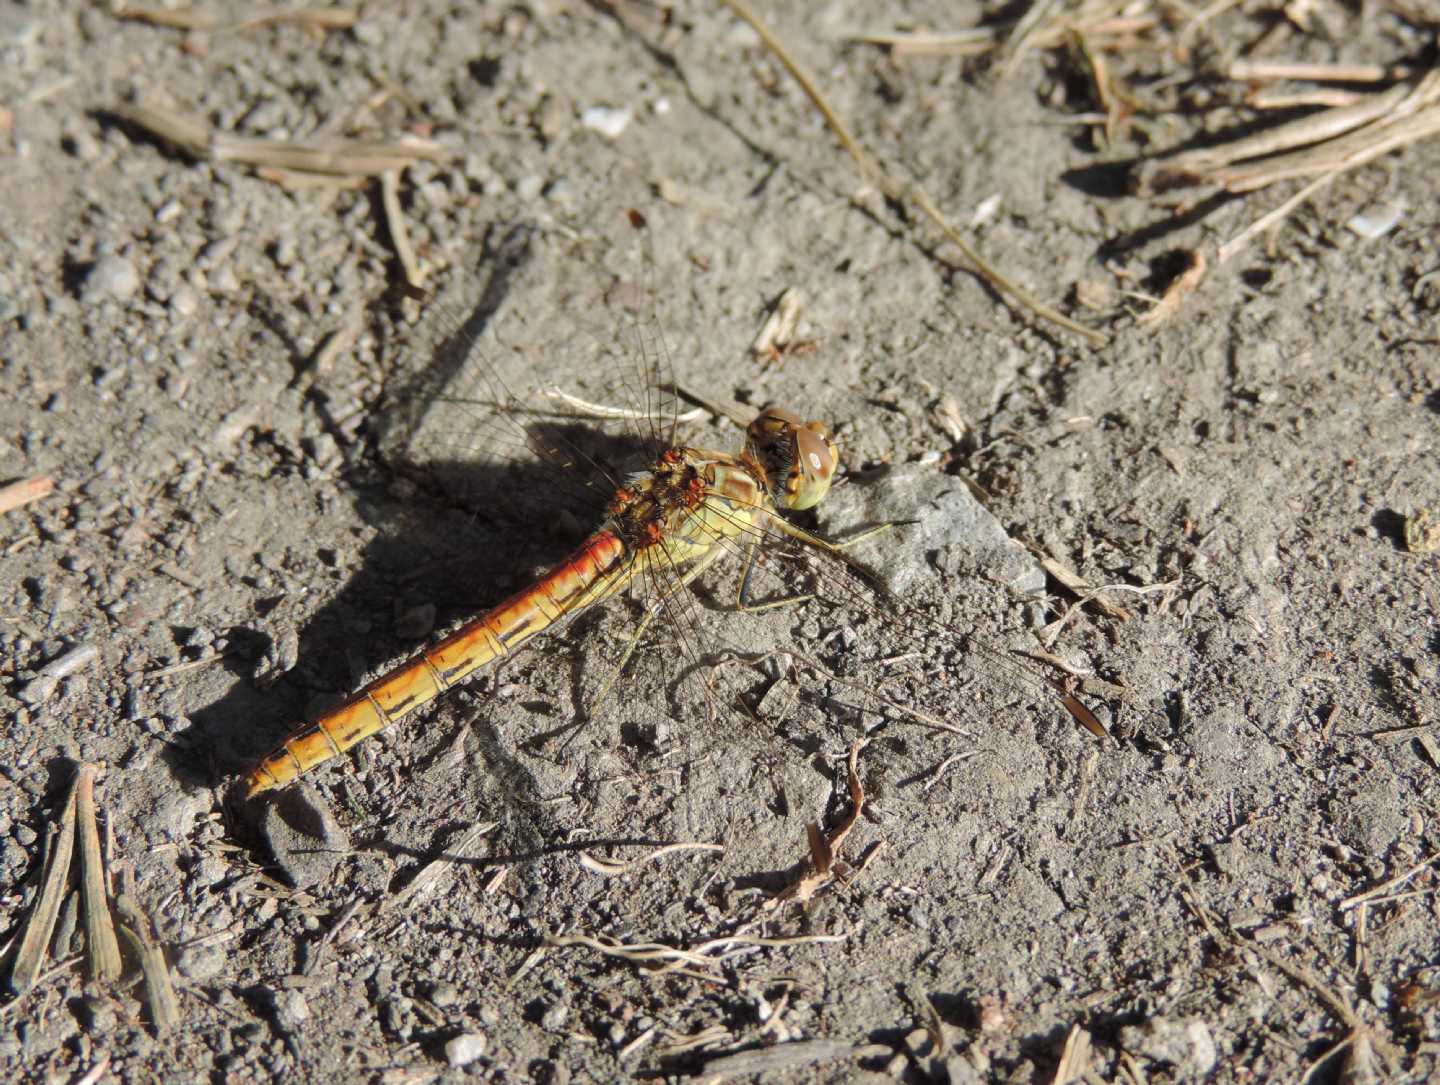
x=184 y=302
x=112 y=277
x=1378 y=221
x=606 y=120
x=985 y=210
x=464 y=1049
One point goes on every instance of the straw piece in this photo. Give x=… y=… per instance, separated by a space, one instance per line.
x=159 y=990
x=21 y=493
x=41 y=925
x=343 y=157
x=101 y=946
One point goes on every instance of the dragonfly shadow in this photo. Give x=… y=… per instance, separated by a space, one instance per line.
x=433 y=563
x=452 y=536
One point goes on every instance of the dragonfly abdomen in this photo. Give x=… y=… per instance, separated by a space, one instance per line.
x=598 y=569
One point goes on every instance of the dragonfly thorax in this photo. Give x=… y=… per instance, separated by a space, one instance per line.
x=652 y=504
x=797 y=458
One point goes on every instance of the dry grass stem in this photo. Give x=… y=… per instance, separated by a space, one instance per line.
x=101 y=946
x=775 y=1058
x=912 y=193
x=585 y=409
x=1247 y=71
x=706 y=956
x=821 y=868
x=609 y=868
x=40 y=926
x=938 y=772
x=1322 y=146
x=433 y=874
x=1273 y=218
x=1075 y=1058
x=1362 y=1041
x=1108 y=31
x=342 y=157
x=1384 y=888
x=297 y=181
x=159 y=990
x=399 y=233
x=314 y=19
x=1207 y=164
x=1314 y=98
x=721 y=406
x=22 y=493
x=1076 y=583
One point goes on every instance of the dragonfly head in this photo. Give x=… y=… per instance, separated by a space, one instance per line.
x=799 y=458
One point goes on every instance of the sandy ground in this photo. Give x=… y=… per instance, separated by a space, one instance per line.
x=248 y=523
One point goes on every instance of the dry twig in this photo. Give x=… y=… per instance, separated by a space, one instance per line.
x=314 y=19
x=159 y=990
x=101 y=945
x=341 y=157
x=19 y=494
x=911 y=193
x=1322 y=146
x=36 y=939
x=609 y=868
x=820 y=868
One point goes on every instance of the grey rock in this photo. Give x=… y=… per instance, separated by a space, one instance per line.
x=445 y=995
x=112 y=278
x=303 y=835
x=951 y=528
x=464 y=1049
x=1184 y=1044
x=201 y=963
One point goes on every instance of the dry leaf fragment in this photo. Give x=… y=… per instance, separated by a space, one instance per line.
x=1183 y=286
x=819 y=869
x=1422 y=532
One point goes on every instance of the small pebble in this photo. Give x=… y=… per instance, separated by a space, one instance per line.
x=184 y=302
x=529 y=187
x=607 y=120
x=464 y=1049
x=111 y=278
x=445 y=995
x=224 y=281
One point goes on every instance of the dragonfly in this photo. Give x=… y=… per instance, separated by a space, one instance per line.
x=663 y=527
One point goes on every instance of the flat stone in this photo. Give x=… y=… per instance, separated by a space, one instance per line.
x=303 y=836
x=464 y=1049
x=112 y=278
x=947 y=518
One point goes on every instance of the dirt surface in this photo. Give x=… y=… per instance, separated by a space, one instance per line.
x=239 y=536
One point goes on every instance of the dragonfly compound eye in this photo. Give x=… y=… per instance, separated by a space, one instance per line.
x=816 y=458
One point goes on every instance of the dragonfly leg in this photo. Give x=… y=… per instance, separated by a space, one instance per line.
x=743 y=599
x=799 y=534
x=746 y=603
x=653 y=611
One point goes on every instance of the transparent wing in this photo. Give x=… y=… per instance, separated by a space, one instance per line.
x=510 y=417
x=520 y=421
